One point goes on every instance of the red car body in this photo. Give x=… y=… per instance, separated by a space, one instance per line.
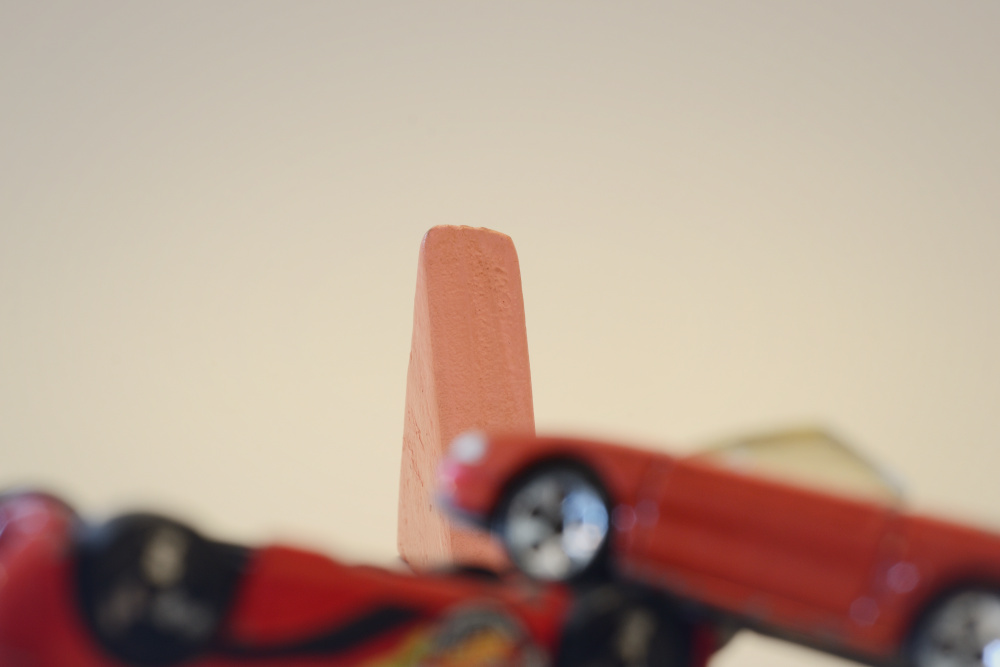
x=288 y=608
x=846 y=573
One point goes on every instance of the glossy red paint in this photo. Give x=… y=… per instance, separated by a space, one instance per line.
x=285 y=598
x=837 y=572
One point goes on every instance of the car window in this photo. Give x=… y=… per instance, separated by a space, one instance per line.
x=810 y=458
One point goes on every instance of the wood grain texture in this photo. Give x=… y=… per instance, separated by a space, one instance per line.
x=468 y=370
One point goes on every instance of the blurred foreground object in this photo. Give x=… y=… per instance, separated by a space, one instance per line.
x=143 y=590
x=791 y=533
x=468 y=370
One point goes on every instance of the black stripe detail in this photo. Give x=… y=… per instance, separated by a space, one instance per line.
x=344 y=638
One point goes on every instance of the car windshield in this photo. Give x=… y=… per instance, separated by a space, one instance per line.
x=808 y=457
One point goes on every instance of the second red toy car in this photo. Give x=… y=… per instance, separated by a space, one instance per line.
x=790 y=533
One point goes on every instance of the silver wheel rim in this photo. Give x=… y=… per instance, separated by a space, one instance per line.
x=964 y=632
x=634 y=637
x=555 y=525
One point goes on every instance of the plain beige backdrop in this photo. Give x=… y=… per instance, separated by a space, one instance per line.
x=729 y=216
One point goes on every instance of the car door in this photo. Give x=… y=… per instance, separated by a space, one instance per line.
x=767 y=549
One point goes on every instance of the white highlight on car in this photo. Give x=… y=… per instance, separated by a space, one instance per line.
x=468 y=448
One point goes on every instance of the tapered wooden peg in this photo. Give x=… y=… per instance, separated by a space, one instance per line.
x=468 y=370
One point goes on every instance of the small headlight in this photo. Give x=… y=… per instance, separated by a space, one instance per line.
x=469 y=447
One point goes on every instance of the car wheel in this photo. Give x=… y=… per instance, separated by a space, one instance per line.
x=962 y=631
x=617 y=627
x=554 y=523
x=152 y=590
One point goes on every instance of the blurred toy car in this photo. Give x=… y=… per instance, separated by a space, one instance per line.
x=146 y=591
x=792 y=534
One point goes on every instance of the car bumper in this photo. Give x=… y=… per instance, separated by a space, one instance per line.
x=464 y=492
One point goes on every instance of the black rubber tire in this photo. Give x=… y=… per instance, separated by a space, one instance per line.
x=971 y=616
x=152 y=590
x=624 y=626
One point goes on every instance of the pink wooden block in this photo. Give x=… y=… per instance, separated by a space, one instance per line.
x=468 y=370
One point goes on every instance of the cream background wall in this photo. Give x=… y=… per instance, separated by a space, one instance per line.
x=728 y=217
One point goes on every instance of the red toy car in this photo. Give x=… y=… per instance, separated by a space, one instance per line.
x=791 y=534
x=145 y=591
